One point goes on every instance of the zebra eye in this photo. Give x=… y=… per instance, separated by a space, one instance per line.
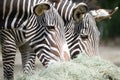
x=84 y=37
x=51 y=27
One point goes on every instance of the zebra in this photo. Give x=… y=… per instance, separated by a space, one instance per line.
x=83 y=37
x=77 y=34
x=21 y=23
x=38 y=35
x=23 y=52
x=76 y=9
x=78 y=40
x=83 y=48
x=51 y=35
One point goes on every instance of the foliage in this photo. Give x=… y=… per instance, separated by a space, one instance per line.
x=111 y=28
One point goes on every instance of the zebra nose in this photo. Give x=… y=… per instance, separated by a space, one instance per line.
x=84 y=37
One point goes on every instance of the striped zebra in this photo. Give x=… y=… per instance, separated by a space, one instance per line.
x=9 y=22
x=51 y=46
x=80 y=37
x=81 y=46
x=55 y=26
x=30 y=49
x=89 y=35
x=83 y=37
x=63 y=9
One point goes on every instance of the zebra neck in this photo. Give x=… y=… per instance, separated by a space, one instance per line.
x=65 y=9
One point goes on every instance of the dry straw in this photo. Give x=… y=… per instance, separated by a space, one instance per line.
x=80 y=68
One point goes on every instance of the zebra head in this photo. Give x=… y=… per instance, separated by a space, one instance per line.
x=89 y=35
x=83 y=37
x=50 y=35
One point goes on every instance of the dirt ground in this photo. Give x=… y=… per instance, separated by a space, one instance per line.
x=109 y=53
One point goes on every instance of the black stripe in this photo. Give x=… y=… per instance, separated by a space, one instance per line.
x=13 y=13
x=1 y=9
x=26 y=14
x=20 y=13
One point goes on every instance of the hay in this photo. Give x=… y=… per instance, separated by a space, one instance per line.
x=80 y=68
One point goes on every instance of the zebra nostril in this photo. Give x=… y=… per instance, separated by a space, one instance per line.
x=51 y=27
x=84 y=37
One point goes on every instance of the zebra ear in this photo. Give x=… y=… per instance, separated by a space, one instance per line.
x=40 y=9
x=79 y=10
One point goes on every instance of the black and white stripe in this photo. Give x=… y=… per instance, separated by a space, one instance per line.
x=78 y=40
x=15 y=12
x=52 y=47
x=16 y=17
x=69 y=10
x=12 y=39
x=83 y=37
x=46 y=38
